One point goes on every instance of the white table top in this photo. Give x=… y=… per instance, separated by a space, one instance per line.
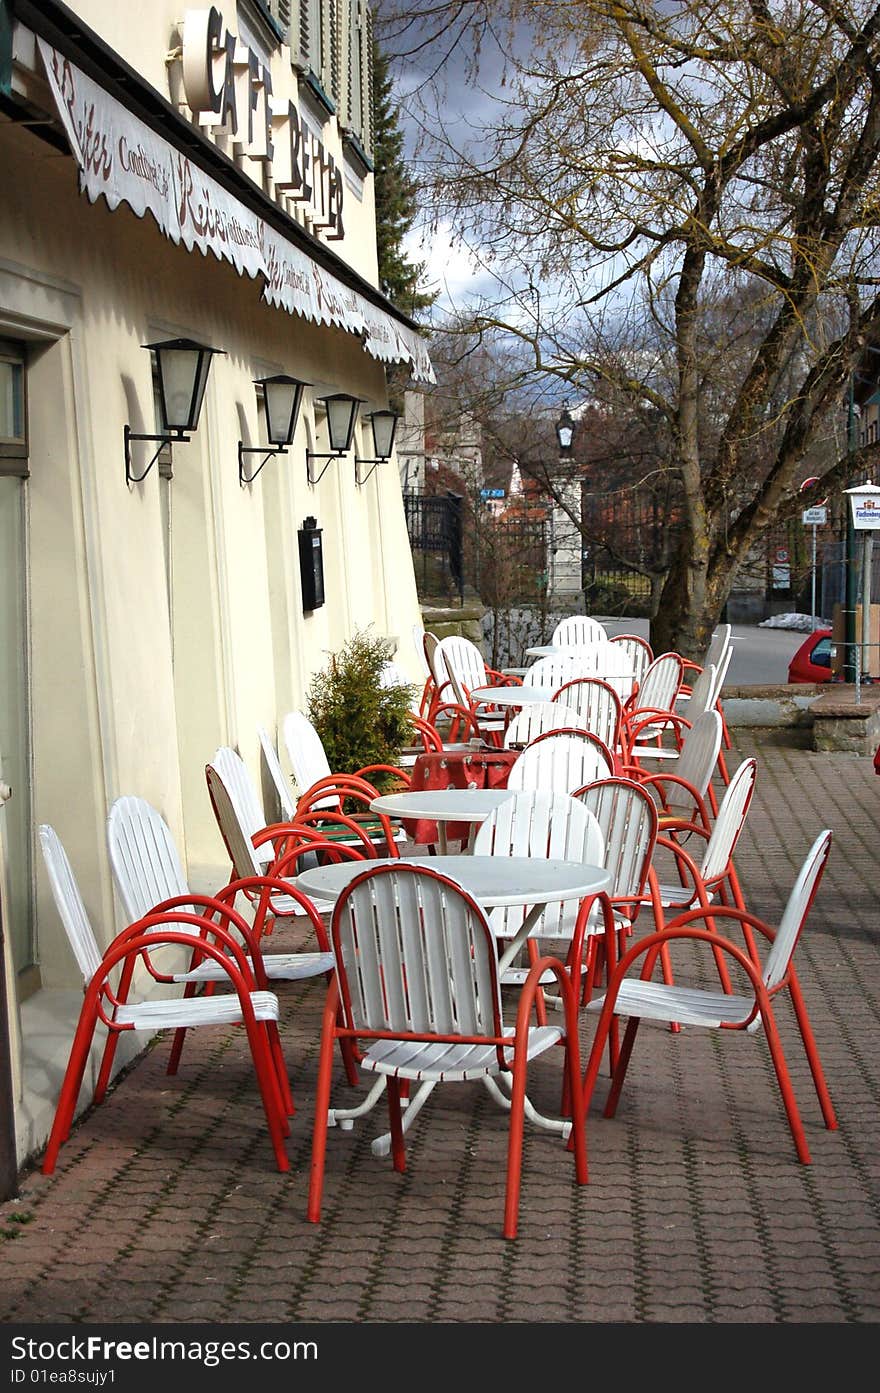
x=550 y=650
x=492 y=880
x=442 y=804
x=512 y=696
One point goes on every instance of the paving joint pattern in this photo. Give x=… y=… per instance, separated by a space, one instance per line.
x=166 y=1206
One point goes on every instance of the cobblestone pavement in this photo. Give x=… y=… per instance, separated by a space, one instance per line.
x=166 y=1205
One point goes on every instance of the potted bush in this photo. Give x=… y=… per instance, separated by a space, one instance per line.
x=360 y=719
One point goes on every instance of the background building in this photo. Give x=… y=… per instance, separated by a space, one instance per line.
x=145 y=620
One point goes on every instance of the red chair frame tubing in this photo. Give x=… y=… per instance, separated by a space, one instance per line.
x=681 y=929
x=137 y=942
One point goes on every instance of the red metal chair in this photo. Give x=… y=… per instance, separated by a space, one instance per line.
x=417 y=982
x=749 y=1010
x=225 y=941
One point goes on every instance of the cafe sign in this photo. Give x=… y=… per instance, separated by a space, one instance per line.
x=122 y=160
x=229 y=91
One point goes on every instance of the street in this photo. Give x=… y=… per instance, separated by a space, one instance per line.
x=760 y=656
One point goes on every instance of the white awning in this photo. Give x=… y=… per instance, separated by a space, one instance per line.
x=123 y=160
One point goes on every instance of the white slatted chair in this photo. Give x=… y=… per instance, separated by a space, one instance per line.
x=305 y=751
x=628 y=822
x=647 y=731
x=710 y=876
x=541 y=824
x=597 y=705
x=556 y=669
x=286 y=800
x=466 y=669
x=750 y=1010
x=148 y=871
x=657 y=692
x=685 y=786
x=576 y=629
x=638 y=650
x=418 y=988
x=234 y=797
x=256 y=1009
x=418 y=638
x=536 y=719
x=560 y=762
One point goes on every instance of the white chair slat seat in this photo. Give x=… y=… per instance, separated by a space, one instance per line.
x=450 y=1063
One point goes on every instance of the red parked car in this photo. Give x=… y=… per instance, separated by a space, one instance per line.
x=812 y=661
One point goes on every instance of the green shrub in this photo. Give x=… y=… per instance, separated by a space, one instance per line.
x=360 y=721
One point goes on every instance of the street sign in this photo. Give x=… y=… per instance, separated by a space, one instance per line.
x=491 y=493
x=815 y=517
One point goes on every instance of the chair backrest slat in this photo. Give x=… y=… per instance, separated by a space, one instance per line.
x=464 y=663
x=69 y=903
x=638 y=650
x=305 y=751
x=699 y=755
x=145 y=861
x=729 y=821
x=560 y=761
x=661 y=683
x=415 y=953
x=579 y=628
x=273 y=764
x=541 y=824
x=627 y=819
x=537 y=717
x=796 y=910
x=719 y=645
x=235 y=833
x=597 y=705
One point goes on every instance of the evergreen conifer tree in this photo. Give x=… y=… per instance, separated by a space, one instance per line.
x=395 y=199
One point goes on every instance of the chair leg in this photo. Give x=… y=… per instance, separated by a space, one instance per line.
x=322 y=1105
x=398 y=1148
x=514 y=1148
x=287 y=1104
x=812 y=1053
x=73 y=1076
x=785 y=1088
x=629 y=1039
x=270 y=1092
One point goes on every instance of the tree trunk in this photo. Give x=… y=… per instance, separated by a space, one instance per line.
x=690 y=605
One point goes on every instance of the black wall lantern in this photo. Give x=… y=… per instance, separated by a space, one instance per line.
x=342 y=412
x=384 y=427
x=311 y=564
x=183 y=367
x=282 y=396
x=565 y=431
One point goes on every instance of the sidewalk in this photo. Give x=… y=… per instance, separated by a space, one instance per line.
x=166 y=1206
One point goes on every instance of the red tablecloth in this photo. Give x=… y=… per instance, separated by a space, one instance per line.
x=468 y=769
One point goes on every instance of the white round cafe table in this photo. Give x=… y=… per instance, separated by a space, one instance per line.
x=512 y=696
x=492 y=880
x=442 y=805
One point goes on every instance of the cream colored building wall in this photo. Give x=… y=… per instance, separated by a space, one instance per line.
x=112 y=713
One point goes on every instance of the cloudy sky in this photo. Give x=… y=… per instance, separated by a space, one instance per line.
x=465 y=102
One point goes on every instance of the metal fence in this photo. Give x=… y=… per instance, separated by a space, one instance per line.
x=434 y=526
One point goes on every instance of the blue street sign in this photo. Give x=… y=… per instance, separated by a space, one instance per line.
x=491 y=493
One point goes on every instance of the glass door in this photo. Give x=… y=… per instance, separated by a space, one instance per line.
x=14 y=665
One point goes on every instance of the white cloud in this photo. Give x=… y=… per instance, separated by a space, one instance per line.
x=450 y=267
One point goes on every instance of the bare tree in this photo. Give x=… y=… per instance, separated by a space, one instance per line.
x=679 y=201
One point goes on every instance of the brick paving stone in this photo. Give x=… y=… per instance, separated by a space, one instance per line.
x=697 y=1210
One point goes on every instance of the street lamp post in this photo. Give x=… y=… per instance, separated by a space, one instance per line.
x=849 y=561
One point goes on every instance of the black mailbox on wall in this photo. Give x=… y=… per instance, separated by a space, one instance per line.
x=311 y=564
